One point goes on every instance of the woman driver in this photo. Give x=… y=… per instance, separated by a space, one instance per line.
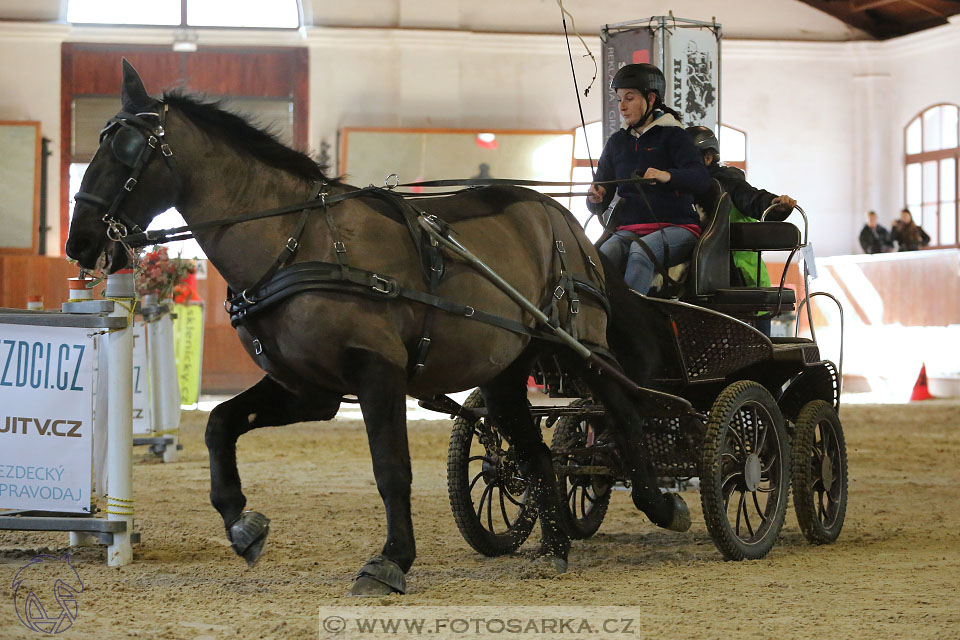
x=652 y=144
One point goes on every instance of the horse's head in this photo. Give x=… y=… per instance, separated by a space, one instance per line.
x=130 y=180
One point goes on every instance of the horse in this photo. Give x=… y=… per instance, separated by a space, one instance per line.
x=319 y=344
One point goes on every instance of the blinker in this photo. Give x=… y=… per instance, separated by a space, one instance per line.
x=128 y=144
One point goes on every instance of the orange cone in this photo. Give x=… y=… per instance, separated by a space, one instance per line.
x=920 y=391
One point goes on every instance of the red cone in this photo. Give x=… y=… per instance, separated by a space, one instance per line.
x=920 y=391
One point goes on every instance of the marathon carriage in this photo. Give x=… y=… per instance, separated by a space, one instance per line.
x=764 y=415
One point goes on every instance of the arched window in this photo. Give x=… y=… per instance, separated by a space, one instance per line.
x=932 y=144
x=276 y=14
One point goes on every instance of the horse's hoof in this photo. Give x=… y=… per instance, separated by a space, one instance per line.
x=544 y=567
x=681 y=515
x=248 y=534
x=381 y=576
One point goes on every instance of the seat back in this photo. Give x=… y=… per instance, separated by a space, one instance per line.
x=710 y=262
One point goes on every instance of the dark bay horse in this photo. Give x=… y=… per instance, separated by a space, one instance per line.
x=317 y=346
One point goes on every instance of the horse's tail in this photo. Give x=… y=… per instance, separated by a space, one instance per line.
x=636 y=332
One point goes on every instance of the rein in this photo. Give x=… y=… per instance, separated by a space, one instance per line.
x=161 y=236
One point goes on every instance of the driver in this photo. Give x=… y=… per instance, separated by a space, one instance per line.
x=652 y=144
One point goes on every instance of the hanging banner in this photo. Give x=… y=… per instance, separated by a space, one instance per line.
x=141 y=394
x=619 y=49
x=46 y=418
x=188 y=346
x=693 y=76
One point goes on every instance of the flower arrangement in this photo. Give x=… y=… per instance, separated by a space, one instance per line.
x=158 y=273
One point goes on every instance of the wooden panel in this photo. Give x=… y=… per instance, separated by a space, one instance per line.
x=263 y=73
x=96 y=68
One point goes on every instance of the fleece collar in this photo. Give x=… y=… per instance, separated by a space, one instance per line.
x=664 y=120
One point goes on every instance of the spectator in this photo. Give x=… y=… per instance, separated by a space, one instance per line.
x=874 y=238
x=908 y=236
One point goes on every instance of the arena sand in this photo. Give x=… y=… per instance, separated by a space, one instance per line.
x=894 y=572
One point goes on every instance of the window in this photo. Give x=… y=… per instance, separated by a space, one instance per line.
x=733 y=147
x=932 y=145
x=276 y=14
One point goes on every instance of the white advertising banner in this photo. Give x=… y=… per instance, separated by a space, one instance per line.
x=46 y=418
x=693 y=76
x=142 y=424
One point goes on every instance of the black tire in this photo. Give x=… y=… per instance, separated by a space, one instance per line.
x=745 y=451
x=819 y=472
x=586 y=497
x=479 y=466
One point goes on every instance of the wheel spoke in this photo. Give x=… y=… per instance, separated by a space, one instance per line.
x=490 y=510
x=727 y=454
x=740 y=505
x=770 y=463
x=512 y=499
x=474 y=482
x=583 y=502
x=731 y=429
x=756 y=503
x=746 y=516
x=484 y=458
x=821 y=511
x=503 y=510
x=763 y=438
x=483 y=496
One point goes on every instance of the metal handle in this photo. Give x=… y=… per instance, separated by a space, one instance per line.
x=796 y=332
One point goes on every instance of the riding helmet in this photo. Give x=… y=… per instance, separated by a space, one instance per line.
x=643 y=77
x=704 y=138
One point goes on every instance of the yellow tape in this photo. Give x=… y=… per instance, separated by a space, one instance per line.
x=109 y=498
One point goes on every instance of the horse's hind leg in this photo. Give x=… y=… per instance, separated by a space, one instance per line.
x=380 y=386
x=265 y=404
x=506 y=400
x=665 y=510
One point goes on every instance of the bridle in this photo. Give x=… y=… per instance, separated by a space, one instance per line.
x=135 y=139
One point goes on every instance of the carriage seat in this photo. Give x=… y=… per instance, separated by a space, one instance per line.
x=759 y=237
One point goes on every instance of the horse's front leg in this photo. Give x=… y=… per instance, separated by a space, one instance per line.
x=265 y=404
x=380 y=386
x=506 y=400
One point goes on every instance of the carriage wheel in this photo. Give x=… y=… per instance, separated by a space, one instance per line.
x=586 y=496
x=745 y=477
x=819 y=472
x=490 y=498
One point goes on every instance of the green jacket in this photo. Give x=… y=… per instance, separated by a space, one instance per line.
x=746 y=261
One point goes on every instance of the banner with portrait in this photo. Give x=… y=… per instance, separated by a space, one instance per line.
x=693 y=76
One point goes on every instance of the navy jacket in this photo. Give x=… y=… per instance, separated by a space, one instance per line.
x=663 y=146
x=749 y=200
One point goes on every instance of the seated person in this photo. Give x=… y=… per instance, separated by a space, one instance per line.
x=653 y=145
x=873 y=237
x=748 y=204
x=908 y=235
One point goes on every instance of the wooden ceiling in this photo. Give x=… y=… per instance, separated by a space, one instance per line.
x=885 y=19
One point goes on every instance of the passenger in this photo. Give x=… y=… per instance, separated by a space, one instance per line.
x=874 y=238
x=748 y=205
x=909 y=236
x=652 y=145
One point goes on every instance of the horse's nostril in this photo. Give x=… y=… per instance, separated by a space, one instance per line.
x=76 y=247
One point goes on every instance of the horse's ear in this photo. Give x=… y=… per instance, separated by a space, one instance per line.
x=133 y=94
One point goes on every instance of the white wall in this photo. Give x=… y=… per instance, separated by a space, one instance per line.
x=824 y=120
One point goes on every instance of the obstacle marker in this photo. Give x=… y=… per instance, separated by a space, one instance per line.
x=920 y=390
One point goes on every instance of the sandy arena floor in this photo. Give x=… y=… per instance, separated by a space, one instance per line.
x=893 y=572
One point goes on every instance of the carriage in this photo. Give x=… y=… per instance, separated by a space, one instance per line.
x=764 y=418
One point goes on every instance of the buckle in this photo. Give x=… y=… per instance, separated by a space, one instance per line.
x=152 y=142
x=574 y=305
x=130 y=184
x=257 y=347
x=339 y=247
x=558 y=293
x=391 y=181
x=165 y=150
x=560 y=247
x=381 y=284
x=292 y=244
x=243 y=294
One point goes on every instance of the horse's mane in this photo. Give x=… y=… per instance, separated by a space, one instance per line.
x=243 y=136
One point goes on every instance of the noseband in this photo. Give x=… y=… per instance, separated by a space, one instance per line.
x=134 y=141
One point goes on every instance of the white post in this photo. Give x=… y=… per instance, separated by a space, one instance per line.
x=120 y=418
x=164 y=389
x=81 y=539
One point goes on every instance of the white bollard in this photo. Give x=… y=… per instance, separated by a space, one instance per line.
x=164 y=388
x=119 y=418
x=81 y=539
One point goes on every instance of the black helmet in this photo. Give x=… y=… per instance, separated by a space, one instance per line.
x=704 y=138
x=642 y=77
